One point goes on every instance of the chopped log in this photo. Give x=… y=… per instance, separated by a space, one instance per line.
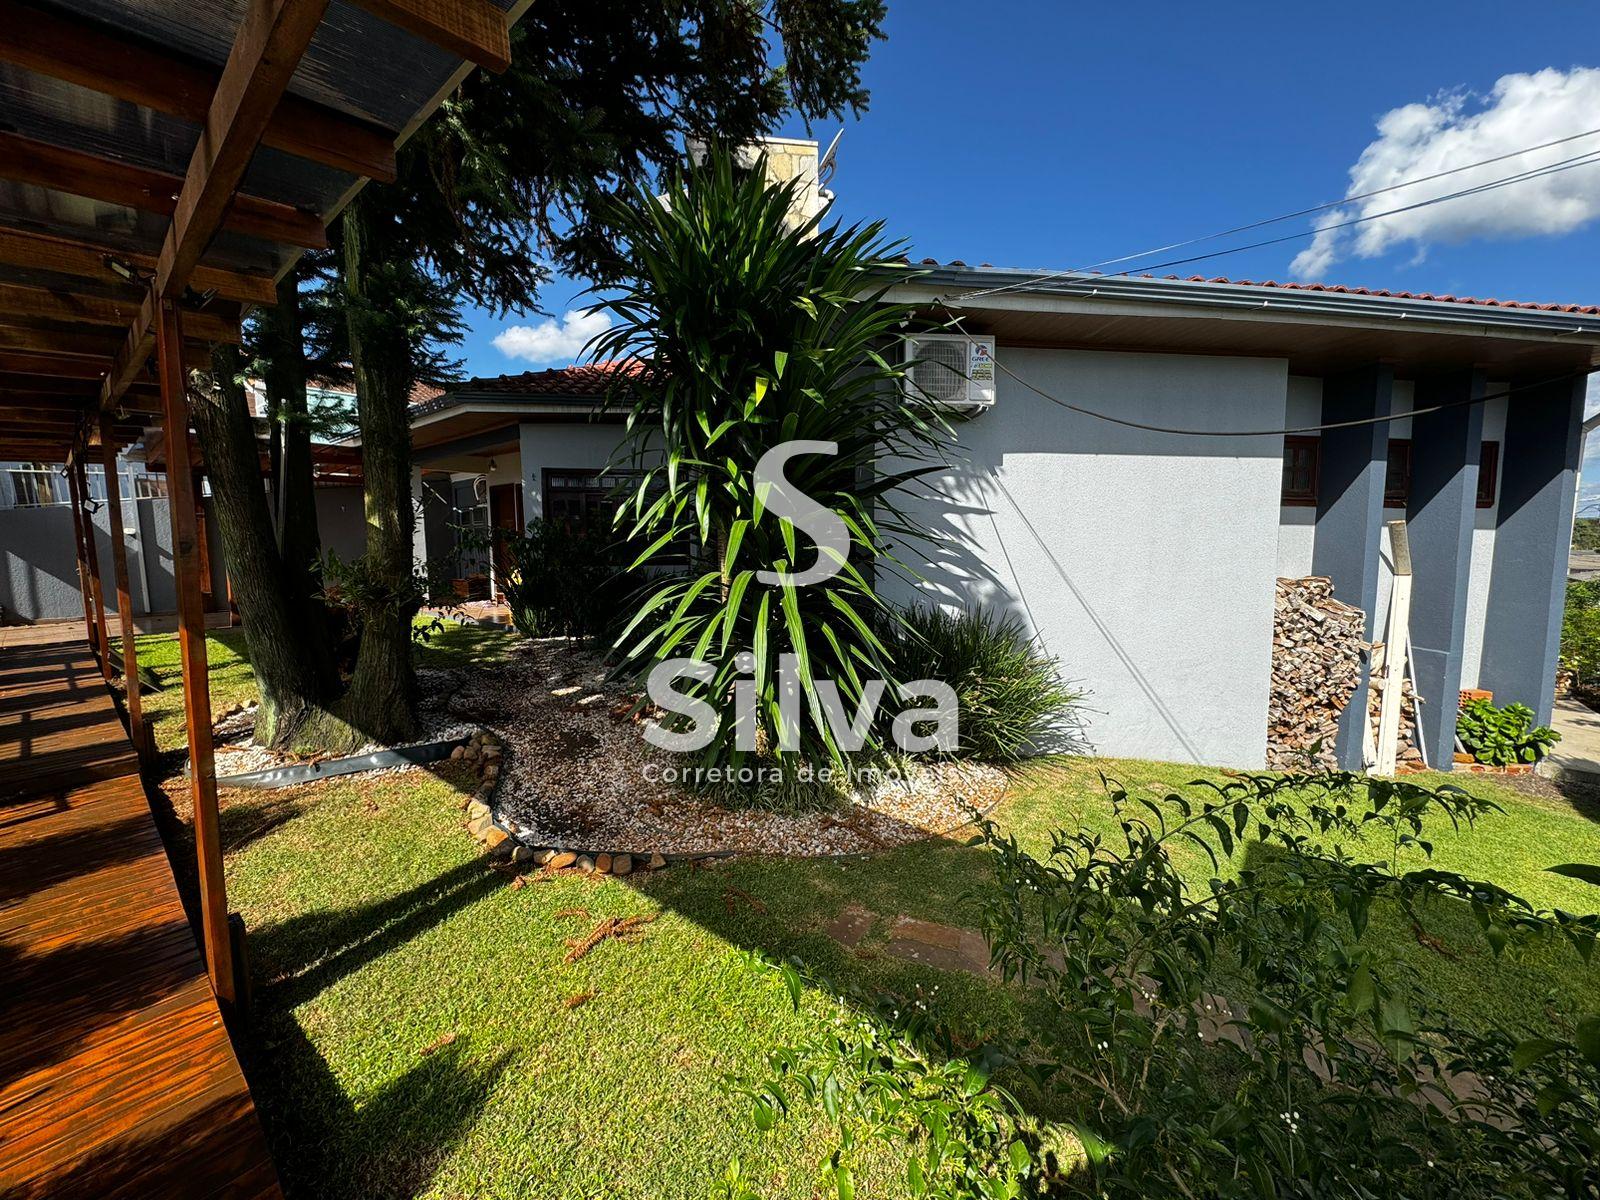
x=1317 y=644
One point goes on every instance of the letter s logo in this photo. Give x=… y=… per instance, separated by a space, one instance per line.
x=823 y=526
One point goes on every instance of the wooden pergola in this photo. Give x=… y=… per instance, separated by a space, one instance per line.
x=162 y=164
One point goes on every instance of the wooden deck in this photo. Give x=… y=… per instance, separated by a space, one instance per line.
x=117 y=1078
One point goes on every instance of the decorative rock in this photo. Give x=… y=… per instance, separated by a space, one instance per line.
x=622 y=864
x=586 y=865
x=602 y=864
x=543 y=856
x=522 y=854
x=476 y=809
x=656 y=862
x=458 y=752
x=470 y=754
x=491 y=751
x=492 y=771
x=562 y=860
x=480 y=826
x=494 y=838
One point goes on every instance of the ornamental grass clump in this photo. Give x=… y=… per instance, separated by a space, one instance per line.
x=1010 y=691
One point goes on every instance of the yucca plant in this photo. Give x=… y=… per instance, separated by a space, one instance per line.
x=752 y=328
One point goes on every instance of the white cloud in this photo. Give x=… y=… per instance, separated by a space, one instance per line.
x=550 y=340
x=1460 y=128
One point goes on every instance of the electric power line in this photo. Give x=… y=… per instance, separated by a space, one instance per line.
x=1531 y=173
x=955 y=320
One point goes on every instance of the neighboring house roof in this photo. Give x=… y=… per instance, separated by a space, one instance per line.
x=580 y=385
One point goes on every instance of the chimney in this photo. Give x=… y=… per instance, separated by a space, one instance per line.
x=786 y=159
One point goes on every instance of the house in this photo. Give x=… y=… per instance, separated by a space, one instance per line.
x=1131 y=492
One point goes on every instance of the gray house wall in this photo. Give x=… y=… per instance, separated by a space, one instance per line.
x=1144 y=562
x=40 y=577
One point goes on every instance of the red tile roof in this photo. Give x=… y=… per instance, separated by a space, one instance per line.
x=589 y=379
x=1580 y=309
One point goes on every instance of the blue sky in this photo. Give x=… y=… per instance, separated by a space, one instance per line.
x=1054 y=135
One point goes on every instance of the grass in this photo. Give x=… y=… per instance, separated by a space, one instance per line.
x=447 y=644
x=413 y=1036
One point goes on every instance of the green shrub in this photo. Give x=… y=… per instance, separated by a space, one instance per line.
x=1237 y=1039
x=565 y=578
x=1500 y=737
x=1580 y=632
x=1009 y=690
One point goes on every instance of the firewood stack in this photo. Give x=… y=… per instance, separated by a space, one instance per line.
x=1317 y=643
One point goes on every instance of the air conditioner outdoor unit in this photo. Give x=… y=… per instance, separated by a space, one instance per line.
x=952 y=370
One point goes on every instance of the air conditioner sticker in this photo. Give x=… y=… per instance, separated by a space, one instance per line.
x=980 y=363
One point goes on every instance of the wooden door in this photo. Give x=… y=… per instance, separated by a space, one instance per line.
x=505 y=514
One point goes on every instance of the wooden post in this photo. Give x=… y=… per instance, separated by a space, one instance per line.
x=192 y=645
x=83 y=570
x=119 y=563
x=92 y=557
x=1396 y=640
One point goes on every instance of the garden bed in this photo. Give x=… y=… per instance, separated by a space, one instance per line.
x=578 y=773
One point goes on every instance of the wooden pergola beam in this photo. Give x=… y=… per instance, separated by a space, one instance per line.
x=84 y=260
x=270 y=42
x=119 y=567
x=89 y=55
x=192 y=648
x=77 y=173
x=92 y=560
x=49 y=304
x=474 y=29
x=266 y=51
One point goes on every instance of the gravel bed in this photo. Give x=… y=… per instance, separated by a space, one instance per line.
x=575 y=774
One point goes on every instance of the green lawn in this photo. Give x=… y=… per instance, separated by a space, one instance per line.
x=378 y=934
x=233 y=683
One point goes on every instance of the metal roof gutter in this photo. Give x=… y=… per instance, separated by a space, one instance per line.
x=953 y=282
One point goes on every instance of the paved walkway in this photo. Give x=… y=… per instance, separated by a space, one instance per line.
x=1576 y=757
x=117 y=1078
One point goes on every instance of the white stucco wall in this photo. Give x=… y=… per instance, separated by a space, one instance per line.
x=1297 y=523
x=568 y=446
x=1148 y=569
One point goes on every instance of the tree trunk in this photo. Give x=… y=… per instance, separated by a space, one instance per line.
x=289 y=678
x=299 y=540
x=382 y=688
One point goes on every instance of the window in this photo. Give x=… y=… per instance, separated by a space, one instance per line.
x=1397 y=479
x=579 y=493
x=1397 y=484
x=150 y=487
x=1300 y=458
x=35 y=484
x=1488 y=473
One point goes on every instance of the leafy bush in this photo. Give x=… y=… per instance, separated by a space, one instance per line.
x=1239 y=1039
x=565 y=578
x=1580 y=632
x=1500 y=737
x=1009 y=690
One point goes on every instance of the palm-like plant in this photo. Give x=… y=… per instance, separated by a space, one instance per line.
x=750 y=329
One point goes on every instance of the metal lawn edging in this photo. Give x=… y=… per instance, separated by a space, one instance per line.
x=378 y=760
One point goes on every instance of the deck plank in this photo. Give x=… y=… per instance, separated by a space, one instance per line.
x=117 y=1077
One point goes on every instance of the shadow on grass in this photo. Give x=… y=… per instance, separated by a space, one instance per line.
x=402 y=1132
x=300 y=957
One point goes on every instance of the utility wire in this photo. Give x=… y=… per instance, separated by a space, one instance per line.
x=1531 y=173
x=955 y=320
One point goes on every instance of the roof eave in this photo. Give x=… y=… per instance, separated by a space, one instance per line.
x=1381 y=311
